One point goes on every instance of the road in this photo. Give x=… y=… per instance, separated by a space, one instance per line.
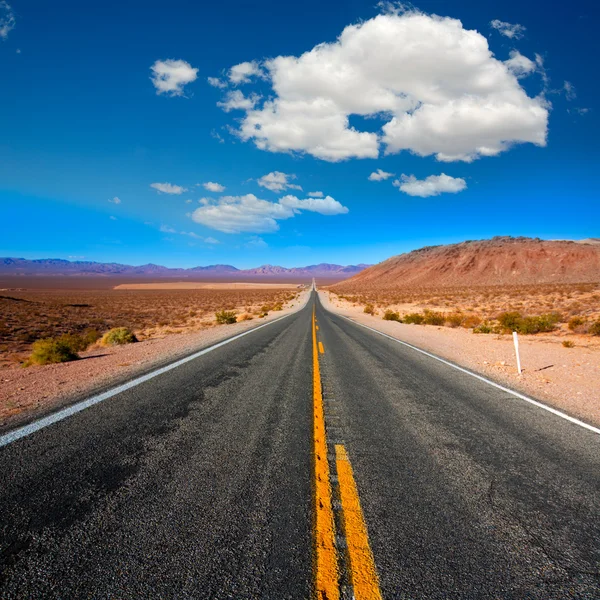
x=215 y=480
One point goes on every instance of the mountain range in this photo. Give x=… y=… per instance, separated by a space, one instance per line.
x=59 y=267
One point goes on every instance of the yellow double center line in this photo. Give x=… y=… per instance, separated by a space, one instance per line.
x=363 y=573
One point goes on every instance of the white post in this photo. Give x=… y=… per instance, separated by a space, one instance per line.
x=516 y=340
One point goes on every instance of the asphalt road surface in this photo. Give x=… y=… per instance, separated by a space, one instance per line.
x=200 y=483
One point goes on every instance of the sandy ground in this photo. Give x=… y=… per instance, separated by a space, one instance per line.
x=196 y=285
x=28 y=392
x=566 y=378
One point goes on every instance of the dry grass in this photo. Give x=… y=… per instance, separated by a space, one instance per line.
x=31 y=315
x=576 y=304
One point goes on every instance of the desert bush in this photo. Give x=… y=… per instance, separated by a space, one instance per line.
x=369 y=309
x=431 y=317
x=225 y=317
x=540 y=324
x=245 y=317
x=391 y=315
x=595 y=328
x=118 y=336
x=416 y=318
x=576 y=323
x=484 y=327
x=471 y=321
x=51 y=350
x=266 y=308
x=278 y=306
x=510 y=321
x=455 y=319
x=75 y=342
x=568 y=344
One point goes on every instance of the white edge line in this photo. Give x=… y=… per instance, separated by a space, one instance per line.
x=554 y=411
x=21 y=432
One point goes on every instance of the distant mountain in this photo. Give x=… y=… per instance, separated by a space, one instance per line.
x=498 y=261
x=65 y=268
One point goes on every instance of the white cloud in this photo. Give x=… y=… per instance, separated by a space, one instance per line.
x=243 y=72
x=249 y=214
x=115 y=200
x=256 y=242
x=315 y=194
x=211 y=240
x=278 y=181
x=509 y=30
x=569 y=90
x=168 y=188
x=380 y=175
x=7 y=20
x=235 y=100
x=520 y=65
x=436 y=87
x=211 y=186
x=188 y=201
x=434 y=185
x=112 y=218
x=167 y=229
x=170 y=76
x=323 y=206
x=216 y=82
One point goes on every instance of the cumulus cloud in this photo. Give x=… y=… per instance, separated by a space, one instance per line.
x=323 y=206
x=249 y=214
x=168 y=188
x=315 y=194
x=115 y=200
x=7 y=20
x=244 y=72
x=235 y=100
x=435 y=86
x=509 y=30
x=278 y=182
x=211 y=186
x=380 y=175
x=434 y=185
x=520 y=65
x=170 y=76
x=216 y=82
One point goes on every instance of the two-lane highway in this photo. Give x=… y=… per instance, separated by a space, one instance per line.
x=207 y=481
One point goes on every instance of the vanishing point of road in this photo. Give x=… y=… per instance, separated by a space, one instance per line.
x=310 y=458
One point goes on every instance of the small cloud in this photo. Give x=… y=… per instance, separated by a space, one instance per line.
x=168 y=188
x=76 y=257
x=380 y=175
x=509 y=30
x=278 y=182
x=7 y=20
x=170 y=76
x=323 y=206
x=235 y=100
x=216 y=82
x=211 y=240
x=211 y=186
x=434 y=185
x=112 y=218
x=217 y=136
x=569 y=90
x=167 y=229
x=243 y=72
x=256 y=242
x=18 y=50
x=315 y=194
x=582 y=111
x=188 y=201
x=115 y=200
x=520 y=65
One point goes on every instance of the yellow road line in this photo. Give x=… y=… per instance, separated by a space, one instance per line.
x=326 y=569
x=365 y=581
x=321 y=348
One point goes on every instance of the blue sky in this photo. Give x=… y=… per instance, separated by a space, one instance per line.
x=513 y=132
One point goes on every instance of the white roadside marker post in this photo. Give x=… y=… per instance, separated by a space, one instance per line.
x=516 y=340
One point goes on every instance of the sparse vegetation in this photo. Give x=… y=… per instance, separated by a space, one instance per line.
x=226 y=317
x=568 y=344
x=595 y=328
x=484 y=327
x=433 y=318
x=51 y=350
x=118 y=336
x=414 y=318
x=391 y=315
x=576 y=324
x=369 y=309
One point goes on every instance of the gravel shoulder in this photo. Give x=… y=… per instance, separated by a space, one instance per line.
x=565 y=378
x=28 y=393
